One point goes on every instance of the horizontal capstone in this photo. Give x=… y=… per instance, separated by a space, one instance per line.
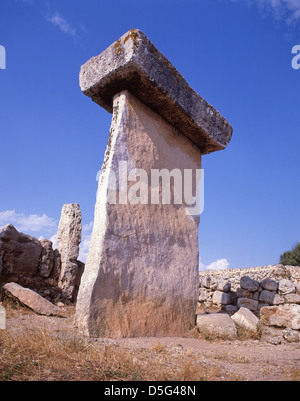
x=133 y=63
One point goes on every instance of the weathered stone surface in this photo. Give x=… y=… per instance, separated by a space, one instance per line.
x=247 y=303
x=203 y=294
x=206 y=282
x=292 y=299
x=291 y=336
x=272 y=335
x=297 y=287
x=68 y=241
x=216 y=325
x=141 y=276
x=247 y=283
x=2 y=318
x=133 y=63
x=278 y=299
x=241 y=293
x=281 y=316
x=246 y=319
x=267 y=297
x=47 y=258
x=286 y=287
x=220 y=285
x=269 y=284
x=222 y=298
x=30 y=299
x=80 y=271
x=21 y=253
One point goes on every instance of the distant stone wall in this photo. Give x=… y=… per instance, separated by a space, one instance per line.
x=276 y=272
x=253 y=288
x=271 y=293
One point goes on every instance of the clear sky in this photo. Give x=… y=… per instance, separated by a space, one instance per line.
x=237 y=54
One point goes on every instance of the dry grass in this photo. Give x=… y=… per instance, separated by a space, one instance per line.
x=49 y=350
x=37 y=355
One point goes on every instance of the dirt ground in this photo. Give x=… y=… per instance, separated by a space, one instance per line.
x=172 y=357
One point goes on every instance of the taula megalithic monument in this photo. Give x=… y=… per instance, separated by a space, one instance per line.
x=141 y=275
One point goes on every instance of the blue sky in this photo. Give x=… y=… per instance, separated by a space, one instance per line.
x=237 y=54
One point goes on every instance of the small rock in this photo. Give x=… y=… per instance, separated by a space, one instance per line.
x=267 y=297
x=230 y=309
x=256 y=295
x=216 y=325
x=246 y=319
x=206 y=280
x=292 y=299
x=269 y=284
x=222 y=298
x=291 y=336
x=273 y=340
x=241 y=293
x=220 y=285
x=247 y=303
x=286 y=287
x=203 y=295
x=278 y=300
x=248 y=284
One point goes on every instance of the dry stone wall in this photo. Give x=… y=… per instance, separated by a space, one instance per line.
x=270 y=294
x=254 y=288
x=233 y=276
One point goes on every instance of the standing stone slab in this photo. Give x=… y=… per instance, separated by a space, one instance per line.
x=68 y=241
x=141 y=276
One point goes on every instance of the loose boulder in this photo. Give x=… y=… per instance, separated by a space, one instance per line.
x=222 y=298
x=247 y=283
x=246 y=319
x=216 y=325
x=30 y=299
x=286 y=287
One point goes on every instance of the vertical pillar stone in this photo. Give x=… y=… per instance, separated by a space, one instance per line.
x=67 y=249
x=141 y=275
